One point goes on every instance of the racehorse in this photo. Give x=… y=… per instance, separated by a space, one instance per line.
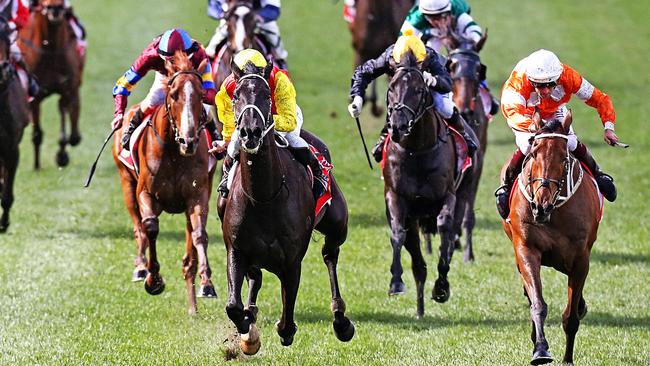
x=375 y=27
x=49 y=47
x=420 y=180
x=553 y=222
x=173 y=176
x=467 y=71
x=268 y=218
x=14 y=117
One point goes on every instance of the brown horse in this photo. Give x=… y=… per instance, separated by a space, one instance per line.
x=268 y=218
x=553 y=222
x=173 y=177
x=375 y=27
x=14 y=117
x=49 y=47
x=419 y=179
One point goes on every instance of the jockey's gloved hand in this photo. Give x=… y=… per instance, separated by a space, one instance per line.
x=355 y=107
x=429 y=79
x=610 y=137
x=117 y=121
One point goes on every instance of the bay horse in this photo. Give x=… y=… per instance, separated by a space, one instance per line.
x=268 y=218
x=553 y=222
x=419 y=180
x=14 y=117
x=375 y=27
x=173 y=176
x=50 y=51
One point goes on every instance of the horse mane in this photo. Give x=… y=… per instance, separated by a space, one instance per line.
x=408 y=60
x=551 y=127
x=179 y=62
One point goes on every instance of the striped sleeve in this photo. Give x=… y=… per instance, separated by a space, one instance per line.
x=592 y=96
x=206 y=77
x=466 y=26
x=126 y=83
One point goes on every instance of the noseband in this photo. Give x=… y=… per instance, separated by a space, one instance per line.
x=426 y=102
x=170 y=118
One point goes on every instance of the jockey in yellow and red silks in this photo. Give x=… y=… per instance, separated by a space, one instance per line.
x=542 y=81
x=286 y=115
x=16 y=14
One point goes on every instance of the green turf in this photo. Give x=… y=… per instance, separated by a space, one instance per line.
x=65 y=264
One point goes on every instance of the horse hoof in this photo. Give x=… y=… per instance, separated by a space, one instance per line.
x=582 y=310
x=250 y=342
x=344 y=329
x=441 y=291
x=207 y=291
x=74 y=140
x=62 y=159
x=3 y=227
x=154 y=286
x=285 y=339
x=541 y=357
x=139 y=275
x=377 y=111
x=396 y=288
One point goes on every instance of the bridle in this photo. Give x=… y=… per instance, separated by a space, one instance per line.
x=426 y=101
x=265 y=118
x=170 y=118
x=468 y=63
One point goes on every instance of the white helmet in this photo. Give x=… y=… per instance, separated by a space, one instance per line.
x=432 y=7
x=543 y=67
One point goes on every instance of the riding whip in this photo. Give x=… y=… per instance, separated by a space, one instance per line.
x=92 y=168
x=363 y=141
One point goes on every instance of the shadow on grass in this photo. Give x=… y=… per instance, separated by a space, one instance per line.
x=619 y=258
x=366 y=219
x=609 y=320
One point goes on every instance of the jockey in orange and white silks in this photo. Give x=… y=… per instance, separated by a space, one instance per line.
x=16 y=13
x=267 y=12
x=541 y=81
x=286 y=115
x=153 y=58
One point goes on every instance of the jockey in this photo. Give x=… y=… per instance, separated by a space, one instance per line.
x=435 y=19
x=153 y=57
x=267 y=12
x=435 y=75
x=17 y=13
x=286 y=115
x=75 y=24
x=541 y=80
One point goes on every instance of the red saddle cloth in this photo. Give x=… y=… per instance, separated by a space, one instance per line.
x=326 y=198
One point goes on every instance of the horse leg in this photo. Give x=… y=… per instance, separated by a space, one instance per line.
x=37 y=133
x=189 y=268
x=142 y=242
x=75 y=136
x=529 y=263
x=249 y=335
x=469 y=219
x=62 y=158
x=445 y=223
x=286 y=327
x=251 y=340
x=396 y=214
x=198 y=235
x=149 y=211
x=418 y=264
x=572 y=313
x=10 y=166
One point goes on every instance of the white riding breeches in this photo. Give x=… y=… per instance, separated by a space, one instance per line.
x=443 y=104
x=523 y=139
x=156 y=95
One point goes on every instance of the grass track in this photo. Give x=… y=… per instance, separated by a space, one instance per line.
x=65 y=295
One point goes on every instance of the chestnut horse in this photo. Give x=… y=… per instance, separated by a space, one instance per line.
x=268 y=218
x=419 y=180
x=172 y=157
x=553 y=222
x=50 y=50
x=375 y=27
x=14 y=117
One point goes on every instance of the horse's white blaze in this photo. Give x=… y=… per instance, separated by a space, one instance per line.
x=187 y=116
x=240 y=33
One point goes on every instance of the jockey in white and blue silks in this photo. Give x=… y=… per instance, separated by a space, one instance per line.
x=267 y=11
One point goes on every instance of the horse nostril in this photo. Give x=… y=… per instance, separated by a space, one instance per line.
x=257 y=133
x=243 y=133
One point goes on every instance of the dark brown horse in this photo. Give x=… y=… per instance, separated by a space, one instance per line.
x=419 y=178
x=50 y=50
x=14 y=117
x=172 y=157
x=553 y=222
x=375 y=27
x=268 y=218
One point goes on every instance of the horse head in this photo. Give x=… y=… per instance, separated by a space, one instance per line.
x=183 y=102
x=54 y=10
x=408 y=97
x=252 y=105
x=550 y=159
x=466 y=71
x=241 y=21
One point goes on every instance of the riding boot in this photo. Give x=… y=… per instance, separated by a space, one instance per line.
x=503 y=192
x=222 y=188
x=32 y=84
x=307 y=158
x=605 y=181
x=378 y=150
x=133 y=124
x=456 y=121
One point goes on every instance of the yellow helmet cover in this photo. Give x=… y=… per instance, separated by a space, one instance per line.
x=249 y=55
x=409 y=43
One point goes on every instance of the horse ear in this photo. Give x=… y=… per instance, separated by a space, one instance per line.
x=267 y=71
x=537 y=120
x=169 y=65
x=481 y=42
x=448 y=64
x=235 y=69
x=202 y=66
x=568 y=119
